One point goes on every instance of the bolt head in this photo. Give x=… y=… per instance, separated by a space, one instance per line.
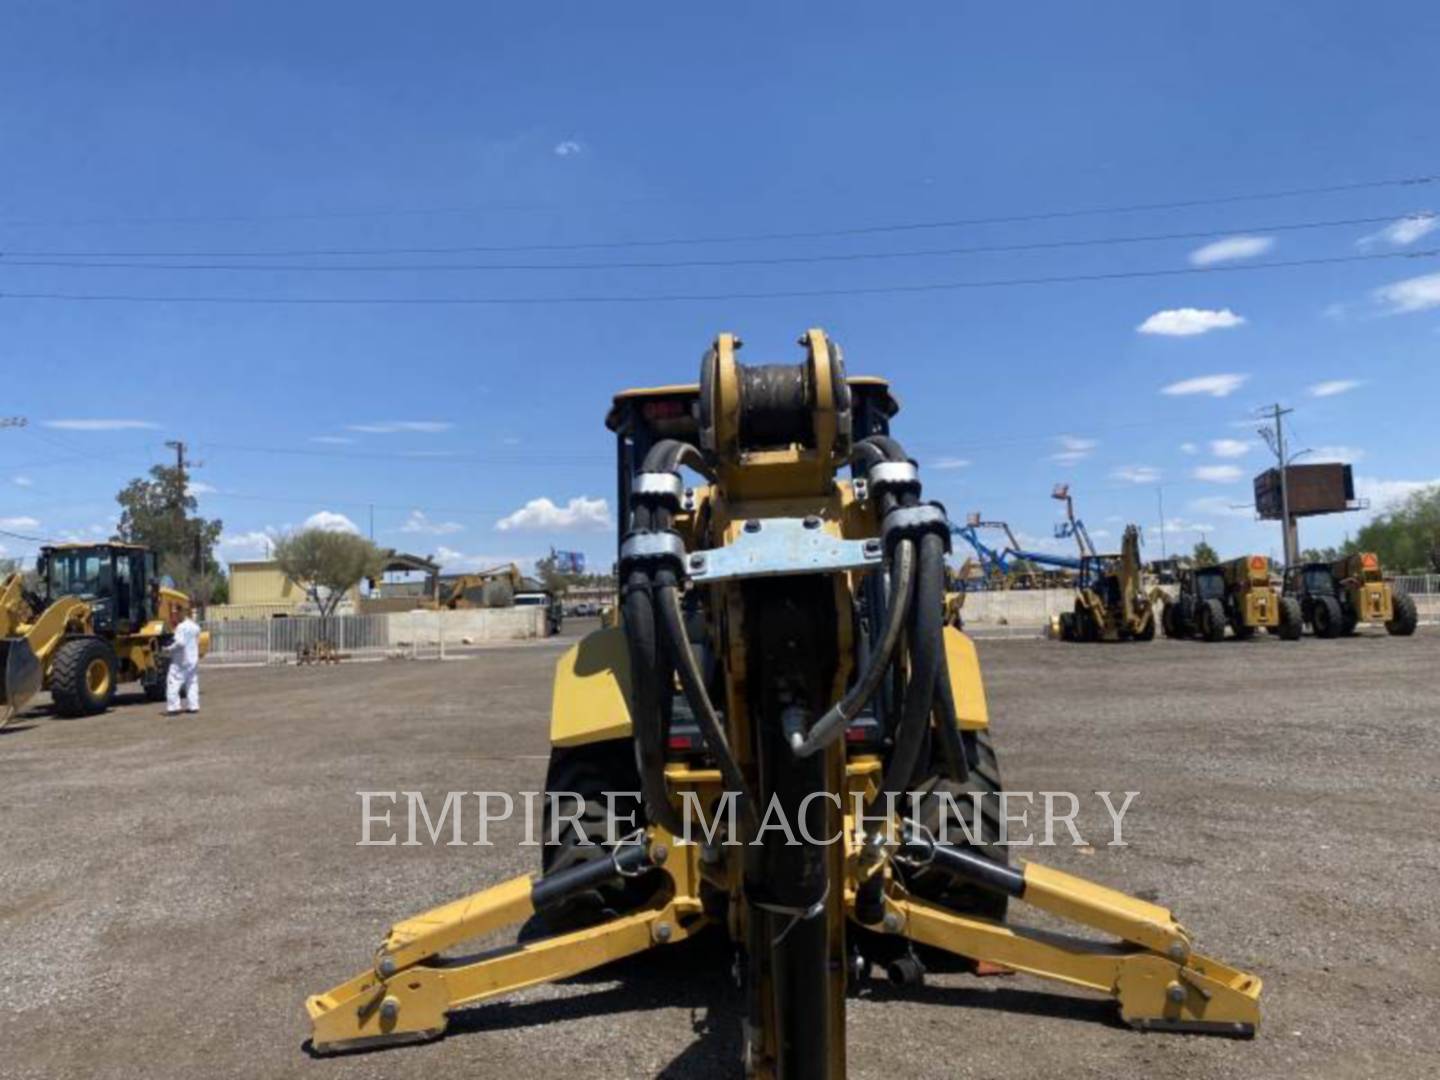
x=658 y=854
x=697 y=561
x=1176 y=993
x=387 y=966
x=892 y=923
x=389 y=1009
x=811 y=522
x=1178 y=952
x=752 y=525
x=663 y=932
x=872 y=546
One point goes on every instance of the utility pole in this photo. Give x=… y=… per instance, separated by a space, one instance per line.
x=1160 y=502
x=1275 y=439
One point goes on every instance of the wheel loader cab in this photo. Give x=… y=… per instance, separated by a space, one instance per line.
x=120 y=581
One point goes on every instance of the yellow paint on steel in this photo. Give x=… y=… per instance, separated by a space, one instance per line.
x=97 y=677
x=591 y=691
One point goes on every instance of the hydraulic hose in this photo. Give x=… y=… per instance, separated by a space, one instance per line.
x=951 y=746
x=645 y=708
x=692 y=681
x=925 y=654
x=825 y=730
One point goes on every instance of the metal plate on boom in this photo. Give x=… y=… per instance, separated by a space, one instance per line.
x=778 y=546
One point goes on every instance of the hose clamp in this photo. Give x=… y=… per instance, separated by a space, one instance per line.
x=652 y=550
x=914 y=522
x=893 y=476
x=658 y=489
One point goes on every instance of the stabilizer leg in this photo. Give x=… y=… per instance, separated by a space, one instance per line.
x=410 y=990
x=1153 y=973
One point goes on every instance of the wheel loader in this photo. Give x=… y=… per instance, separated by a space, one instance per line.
x=99 y=617
x=1111 y=603
x=780 y=653
x=1238 y=594
x=1335 y=597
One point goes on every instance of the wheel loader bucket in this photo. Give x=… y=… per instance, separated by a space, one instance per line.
x=22 y=674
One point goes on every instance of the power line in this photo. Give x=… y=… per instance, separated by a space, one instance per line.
x=665 y=298
x=816 y=234
x=67 y=261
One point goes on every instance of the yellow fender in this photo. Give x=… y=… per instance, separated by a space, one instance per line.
x=590 y=700
x=966 y=682
x=591 y=695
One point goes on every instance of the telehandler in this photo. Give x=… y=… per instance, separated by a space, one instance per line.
x=1336 y=597
x=1237 y=594
x=780 y=651
x=99 y=617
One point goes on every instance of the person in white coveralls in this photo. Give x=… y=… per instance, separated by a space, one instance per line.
x=184 y=674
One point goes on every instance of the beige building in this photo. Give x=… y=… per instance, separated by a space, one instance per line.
x=260 y=590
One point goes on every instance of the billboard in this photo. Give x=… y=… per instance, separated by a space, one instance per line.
x=569 y=562
x=1328 y=488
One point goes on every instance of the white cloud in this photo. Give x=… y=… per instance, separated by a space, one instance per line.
x=257 y=542
x=417 y=522
x=567 y=148
x=1214 y=385
x=1230 y=448
x=332 y=440
x=950 y=463
x=1386 y=495
x=99 y=425
x=1404 y=231
x=1189 y=448
x=22 y=481
x=330 y=521
x=1334 y=386
x=21 y=522
x=391 y=427
x=1341 y=454
x=1219 y=506
x=1217 y=474
x=580 y=512
x=1073 y=448
x=199 y=487
x=1411 y=295
x=1187 y=322
x=1231 y=247
x=1137 y=474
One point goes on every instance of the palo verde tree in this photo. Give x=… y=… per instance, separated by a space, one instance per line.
x=161 y=514
x=327 y=564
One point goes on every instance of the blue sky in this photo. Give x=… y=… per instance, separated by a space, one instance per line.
x=261 y=127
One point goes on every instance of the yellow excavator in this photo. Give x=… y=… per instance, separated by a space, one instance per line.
x=492 y=587
x=781 y=653
x=98 y=616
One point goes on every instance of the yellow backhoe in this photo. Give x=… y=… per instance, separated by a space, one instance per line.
x=781 y=651
x=98 y=617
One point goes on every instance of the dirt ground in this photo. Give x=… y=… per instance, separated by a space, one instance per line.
x=171 y=889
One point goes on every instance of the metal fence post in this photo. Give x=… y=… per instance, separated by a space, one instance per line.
x=269 y=640
x=440 y=631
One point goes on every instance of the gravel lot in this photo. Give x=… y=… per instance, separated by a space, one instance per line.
x=171 y=889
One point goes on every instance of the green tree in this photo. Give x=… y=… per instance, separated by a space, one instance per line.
x=159 y=513
x=1408 y=537
x=1204 y=554
x=327 y=564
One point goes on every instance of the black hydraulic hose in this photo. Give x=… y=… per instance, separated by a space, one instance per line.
x=692 y=681
x=645 y=709
x=925 y=648
x=825 y=730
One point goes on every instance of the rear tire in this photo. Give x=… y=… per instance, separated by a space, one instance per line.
x=1292 y=619
x=984 y=781
x=153 y=681
x=1212 y=620
x=1327 y=617
x=1405 y=616
x=82 y=677
x=589 y=771
x=1167 y=622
